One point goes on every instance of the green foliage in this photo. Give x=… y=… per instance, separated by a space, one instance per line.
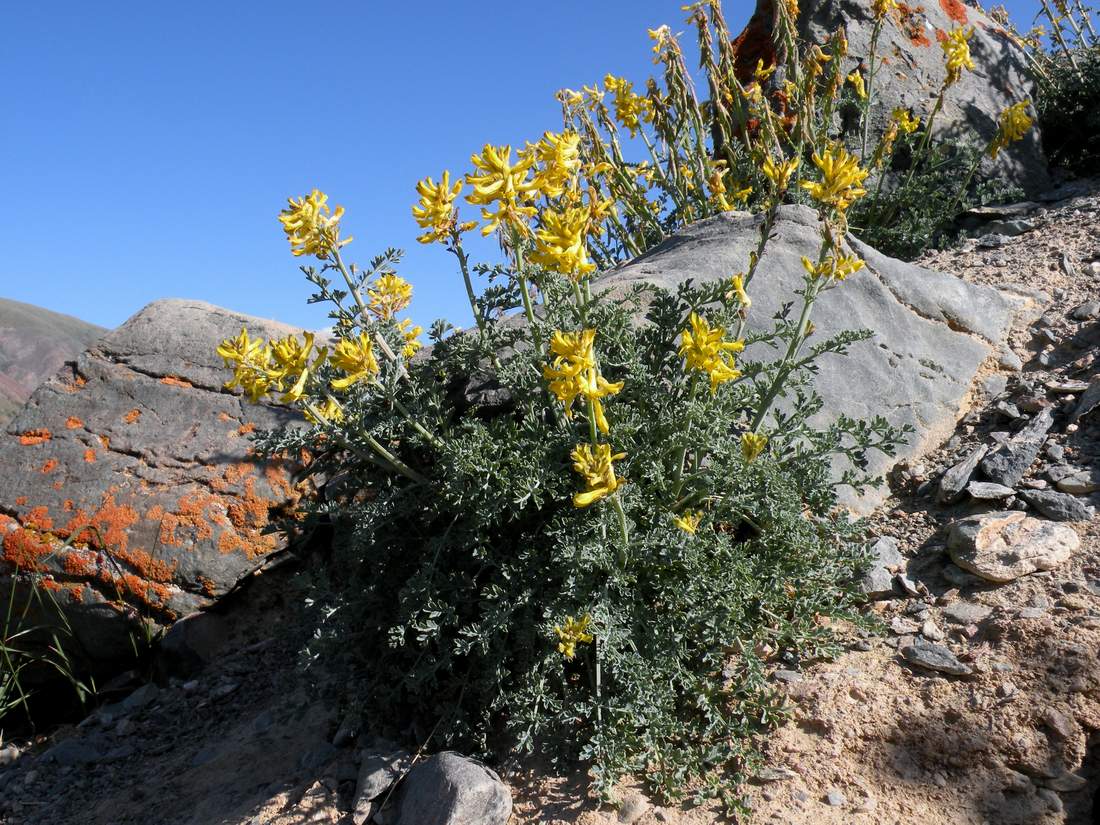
x=1069 y=110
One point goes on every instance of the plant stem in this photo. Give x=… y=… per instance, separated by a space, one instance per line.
x=866 y=104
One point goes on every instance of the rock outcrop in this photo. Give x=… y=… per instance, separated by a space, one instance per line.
x=932 y=330
x=34 y=343
x=912 y=70
x=129 y=482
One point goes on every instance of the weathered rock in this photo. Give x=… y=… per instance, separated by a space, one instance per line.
x=137 y=454
x=1089 y=400
x=1058 y=506
x=1008 y=463
x=932 y=656
x=449 y=789
x=912 y=71
x=932 y=330
x=988 y=490
x=954 y=481
x=878 y=582
x=1080 y=482
x=379 y=770
x=1001 y=547
x=966 y=613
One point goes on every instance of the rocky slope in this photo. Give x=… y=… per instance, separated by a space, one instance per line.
x=34 y=342
x=977 y=702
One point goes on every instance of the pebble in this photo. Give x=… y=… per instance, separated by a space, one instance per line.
x=835 y=798
x=935 y=657
x=634 y=807
x=1086 y=311
x=965 y=613
x=787 y=676
x=1056 y=452
x=1031 y=613
x=1058 y=506
x=930 y=631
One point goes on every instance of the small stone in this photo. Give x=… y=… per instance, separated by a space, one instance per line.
x=1008 y=410
x=1066 y=387
x=8 y=755
x=776 y=774
x=1031 y=613
x=905 y=584
x=224 y=691
x=935 y=657
x=929 y=631
x=1008 y=464
x=1055 y=452
x=1086 y=311
x=1080 y=482
x=1001 y=547
x=1088 y=401
x=191 y=686
x=1094 y=269
x=1073 y=601
x=994 y=385
x=449 y=788
x=1006 y=689
x=954 y=481
x=987 y=490
x=878 y=582
x=965 y=613
x=787 y=676
x=903 y=627
x=1009 y=360
x=634 y=807
x=1058 y=506
x=835 y=798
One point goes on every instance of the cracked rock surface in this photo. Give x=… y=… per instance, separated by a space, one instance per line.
x=136 y=455
x=932 y=331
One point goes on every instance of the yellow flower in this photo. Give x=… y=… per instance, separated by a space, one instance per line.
x=292 y=364
x=833 y=268
x=957 y=52
x=311 y=227
x=1013 y=125
x=761 y=74
x=662 y=38
x=356 y=358
x=856 y=79
x=752 y=445
x=779 y=174
x=573 y=633
x=881 y=8
x=499 y=181
x=705 y=350
x=435 y=211
x=253 y=381
x=570 y=97
x=560 y=242
x=241 y=349
x=737 y=286
x=905 y=120
x=885 y=145
x=389 y=295
x=409 y=333
x=328 y=412
x=630 y=109
x=688 y=522
x=718 y=192
x=560 y=159
x=573 y=374
x=594 y=465
x=841 y=178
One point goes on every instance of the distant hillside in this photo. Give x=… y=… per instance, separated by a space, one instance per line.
x=34 y=343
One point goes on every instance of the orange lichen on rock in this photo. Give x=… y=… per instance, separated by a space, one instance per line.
x=47 y=583
x=49 y=466
x=149 y=568
x=224 y=417
x=245 y=429
x=175 y=381
x=25 y=548
x=39 y=519
x=956 y=11
x=912 y=24
x=36 y=436
x=89 y=455
x=941 y=36
x=21 y=501
x=73 y=423
x=191 y=515
x=76 y=384
x=132 y=416
x=755 y=44
x=209 y=589
x=106 y=529
x=80 y=561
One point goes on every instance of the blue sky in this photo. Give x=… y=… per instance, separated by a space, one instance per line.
x=151 y=145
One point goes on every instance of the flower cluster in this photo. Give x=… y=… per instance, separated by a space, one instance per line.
x=560 y=241
x=261 y=368
x=573 y=374
x=705 y=349
x=594 y=464
x=956 y=50
x=436 y=211
x=311 y=226
x=573 y=633
x=1013 y=125
x=842 y=178
x=498 y=181
x=832 y=267
x=630 y=109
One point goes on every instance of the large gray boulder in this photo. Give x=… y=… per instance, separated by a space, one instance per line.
x=912 y=71
x=932 y=330
x=136 y=453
